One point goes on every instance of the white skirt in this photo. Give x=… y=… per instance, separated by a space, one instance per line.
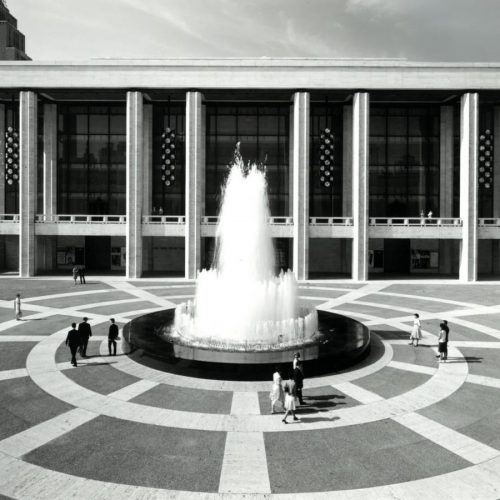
x=289 y=402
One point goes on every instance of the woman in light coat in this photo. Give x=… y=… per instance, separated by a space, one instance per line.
x=276 y=395
x=416 y=331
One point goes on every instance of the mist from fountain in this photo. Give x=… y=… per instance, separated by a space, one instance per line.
x=240 y=301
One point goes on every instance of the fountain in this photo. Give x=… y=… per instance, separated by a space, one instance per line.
x=242 y=313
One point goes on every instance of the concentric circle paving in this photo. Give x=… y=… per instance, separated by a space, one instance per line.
x=397 y=425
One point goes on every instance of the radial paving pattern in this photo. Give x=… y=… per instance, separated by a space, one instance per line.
x=397 y=425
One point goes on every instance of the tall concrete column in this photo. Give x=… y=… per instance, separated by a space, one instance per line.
x=446 y=183
x=300 y=167
x=347 y=162
x=134 y=184
x=50 y=159
x=360 y=149
x=147 y=165
x=27 y=182
x=195 y=164
x=2 y=158
x=468 y=186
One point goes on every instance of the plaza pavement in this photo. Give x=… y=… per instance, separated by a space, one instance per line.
x=397 y=425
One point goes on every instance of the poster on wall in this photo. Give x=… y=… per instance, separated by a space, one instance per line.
x=65 y=256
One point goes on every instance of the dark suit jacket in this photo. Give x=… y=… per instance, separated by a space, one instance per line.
x=73 y=338
x=84 y=330
x=113 y=331
x=298 y=377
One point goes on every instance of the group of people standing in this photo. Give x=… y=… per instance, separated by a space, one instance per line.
x=287 y=394
x=79 y=272
x=78 y=339
x=443 y=338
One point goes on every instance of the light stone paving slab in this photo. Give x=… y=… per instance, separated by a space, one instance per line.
x=23 y=442
x=465 y=447
x=10 y=374
x=409 y=367
x=245 y=403
x=131 y=367
x=25 y=481
x=482 y=380
x=358 y=393
x=42 y=369
x=106 y=303
x=492 y=332
x=127 y=287
x=21 y=338
x=68 y=294
x=133 y=390
x=244 y=467
x=352 y=295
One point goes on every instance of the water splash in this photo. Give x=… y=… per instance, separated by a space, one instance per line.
x=240 y=300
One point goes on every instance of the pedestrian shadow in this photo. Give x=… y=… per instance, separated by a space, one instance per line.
x=96 y=364
x=311 y=420
x=464 y=359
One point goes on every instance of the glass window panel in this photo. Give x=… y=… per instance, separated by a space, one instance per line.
x=377 y=151
x=77 y=148
x=416 y=150
x=378 y=125
x=396 y=125
x=117 y=124
x=396 y=151
x=118 y=148
x=417 y=180
x=247 y=125
x=99 y=124
x=98 y=149
x=226 y=125
x=268 y=125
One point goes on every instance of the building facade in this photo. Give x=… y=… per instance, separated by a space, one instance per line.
x=11 y=39
x=374 y=167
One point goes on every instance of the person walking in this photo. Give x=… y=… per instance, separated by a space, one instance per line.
x=73 y=342
x=75 y=273
x=85 y=333
x=277 y=395
x=81 y=273
x=290 y=395
x=442 y=342
x=296 y=360
x=416 y=331
x=298 y=378
x=17 y=307
x=446 y=329
x=112 y=336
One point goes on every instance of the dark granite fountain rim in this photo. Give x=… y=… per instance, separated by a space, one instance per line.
x=341 y=339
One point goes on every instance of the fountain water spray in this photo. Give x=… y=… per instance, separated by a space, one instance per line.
x=240 y=301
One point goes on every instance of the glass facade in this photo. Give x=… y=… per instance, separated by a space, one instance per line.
x=404 y=160
x=325 y=201
x=91 y=159
x=486 y=124
x=263 y=130
x=170 y=199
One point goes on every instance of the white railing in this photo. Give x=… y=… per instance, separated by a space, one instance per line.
x=330 y=221
x=489 y=222
x=287 y=221
x=9 y=218
x=415 y=221
x=163 y=219
x=81 y=219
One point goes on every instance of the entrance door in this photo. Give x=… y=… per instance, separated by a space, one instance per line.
x=98 y=253
x=397 y=256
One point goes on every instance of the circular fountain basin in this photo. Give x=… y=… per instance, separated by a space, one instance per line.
x=339 y=342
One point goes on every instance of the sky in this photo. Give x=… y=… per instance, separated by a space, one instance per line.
x=417 y=30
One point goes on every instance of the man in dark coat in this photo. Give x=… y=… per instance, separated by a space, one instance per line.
x=298 y=377
x=85 y=332
x=73 y=341
x=112 y=336
x=81 y=273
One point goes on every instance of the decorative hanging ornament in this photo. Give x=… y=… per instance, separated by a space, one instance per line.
x=11 y=156
x=326 y=157
x=485 y=160
x=168 y=157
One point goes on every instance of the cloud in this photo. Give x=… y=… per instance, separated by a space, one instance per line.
x=425 y=30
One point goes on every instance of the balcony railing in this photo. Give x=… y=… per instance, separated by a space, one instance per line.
x=163 y=219
x=489 y=222
x=415 y=221
x=213 y=219
x=330 y=221
x=9 y=218
x=81 y=219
